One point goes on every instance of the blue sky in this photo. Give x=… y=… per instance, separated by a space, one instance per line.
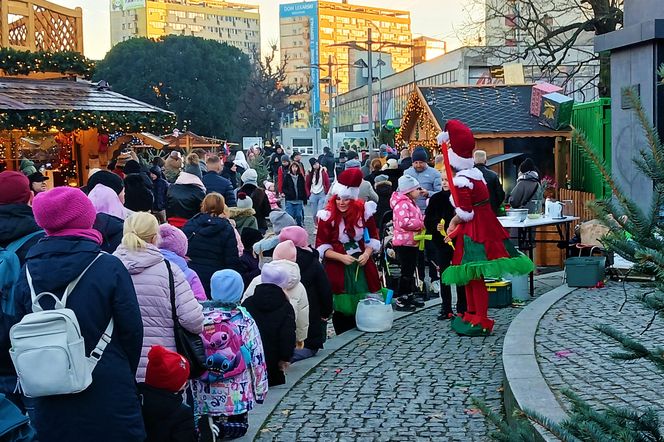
x=434 y=18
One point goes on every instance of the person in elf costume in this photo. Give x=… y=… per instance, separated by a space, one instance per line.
x=347 y=237
x=482 y=245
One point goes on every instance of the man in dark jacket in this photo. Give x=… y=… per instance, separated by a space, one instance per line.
x=496 y=191
x=326 y=160
x=138 y=188
x=214 y=182
x=17 y=223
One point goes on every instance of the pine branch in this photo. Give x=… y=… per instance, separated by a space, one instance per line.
x=635 y=350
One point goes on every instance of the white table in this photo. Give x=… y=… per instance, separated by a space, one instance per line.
x=526 y=234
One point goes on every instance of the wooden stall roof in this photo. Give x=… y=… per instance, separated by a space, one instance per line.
x=79 y=95
x=491 y=111
x=190 y=139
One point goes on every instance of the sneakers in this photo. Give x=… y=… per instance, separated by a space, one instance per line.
x=403 y=304
x=416 y=302
x=435 y=287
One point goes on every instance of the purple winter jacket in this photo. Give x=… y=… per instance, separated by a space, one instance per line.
x=150 y=276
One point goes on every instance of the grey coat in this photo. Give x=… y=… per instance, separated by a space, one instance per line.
x=525 y=190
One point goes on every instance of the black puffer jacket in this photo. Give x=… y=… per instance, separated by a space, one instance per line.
x=261 y=204
x=184 y=200
x=275 y=318
x=384 y=191
x=493 y=184
x=166 y=417
x=110 y=228
x=138 y=192
x=319 y=293
x=289 y=189
x=439 y=208
x=212 y=246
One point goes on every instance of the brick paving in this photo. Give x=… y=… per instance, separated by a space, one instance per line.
x=414 y=382
x=572 y=354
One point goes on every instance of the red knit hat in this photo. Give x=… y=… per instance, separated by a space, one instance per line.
x=348 y=183
x=15 y=188
x=166 y=369
x=462 y=144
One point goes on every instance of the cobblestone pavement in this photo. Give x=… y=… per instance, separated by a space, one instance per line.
x=414 y=382
x=572 y=354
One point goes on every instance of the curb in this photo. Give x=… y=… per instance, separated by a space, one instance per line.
x=524 y=384
x=297 y=371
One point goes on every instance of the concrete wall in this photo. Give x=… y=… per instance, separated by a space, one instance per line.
x=640 y=11
x=631 y=67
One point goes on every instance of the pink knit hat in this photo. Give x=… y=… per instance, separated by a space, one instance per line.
x=173 y=239
x=297 y=234
x=63 y=208
x=285 y=250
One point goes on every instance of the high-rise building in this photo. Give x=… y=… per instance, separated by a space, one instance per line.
x=309 y=29
x=233 y=23
x=427 y=48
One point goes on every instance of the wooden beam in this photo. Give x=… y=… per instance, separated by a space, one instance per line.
x=426 y=106
x=4 y=24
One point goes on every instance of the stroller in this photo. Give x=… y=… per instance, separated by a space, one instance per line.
x=389 y=266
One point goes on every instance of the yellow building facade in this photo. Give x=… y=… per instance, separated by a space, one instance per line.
x=232 y=23
x=307 y=32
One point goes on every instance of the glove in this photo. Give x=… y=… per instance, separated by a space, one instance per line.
x=443 y=137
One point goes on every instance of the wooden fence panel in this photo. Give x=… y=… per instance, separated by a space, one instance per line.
x=580 y=202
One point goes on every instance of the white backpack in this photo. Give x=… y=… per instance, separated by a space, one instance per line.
x=48 y=349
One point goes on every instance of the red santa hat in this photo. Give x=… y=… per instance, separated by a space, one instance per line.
x=348 y=183
x=462 y=144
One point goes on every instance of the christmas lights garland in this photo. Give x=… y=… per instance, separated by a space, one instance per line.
x=105 y=122
x=14 y=62
x=426 y=129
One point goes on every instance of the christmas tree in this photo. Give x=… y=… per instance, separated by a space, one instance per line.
x=638 y=236
x=259 y=164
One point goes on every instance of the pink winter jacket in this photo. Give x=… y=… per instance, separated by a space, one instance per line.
x=150 y=276
x=407 y=219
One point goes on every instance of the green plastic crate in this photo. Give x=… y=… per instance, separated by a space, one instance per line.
x=584 y=271
x=500 y=293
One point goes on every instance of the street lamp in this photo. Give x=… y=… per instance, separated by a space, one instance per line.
x=329 y=79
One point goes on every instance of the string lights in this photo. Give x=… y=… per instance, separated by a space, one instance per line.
x=14 y=62
x=417 y=121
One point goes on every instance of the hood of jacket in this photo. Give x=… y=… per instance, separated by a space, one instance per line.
x=292 y=270
x=55 y=261
x=531 y=175
x=269 y=298
x=190 y=178
x=16 y=221
x=206 y=225
x=236 y=212
x=397 y=198
x=136 y=261
x=175 y=259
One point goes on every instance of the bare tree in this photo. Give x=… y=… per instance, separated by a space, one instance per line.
x=267 y=98
x=554 y=35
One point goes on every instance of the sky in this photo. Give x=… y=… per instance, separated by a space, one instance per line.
x=441 y=19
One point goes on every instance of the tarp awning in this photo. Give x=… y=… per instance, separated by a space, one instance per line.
x=497 y=159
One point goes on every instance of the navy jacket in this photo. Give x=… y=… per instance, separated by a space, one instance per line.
x=160 y=191
x=109 y=409
x=16 y=221
x=212 y=246
x=216 y=183
x=138 y=192
x=110 y=228
x=167 y=418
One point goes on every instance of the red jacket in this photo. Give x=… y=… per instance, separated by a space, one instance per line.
x=325 y=178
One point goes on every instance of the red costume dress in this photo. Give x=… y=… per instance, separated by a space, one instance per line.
x=482 y=245
x=350 y=283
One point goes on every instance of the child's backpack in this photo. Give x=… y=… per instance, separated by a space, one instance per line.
x=48 y=350
x=10 y=269
x=227 y=356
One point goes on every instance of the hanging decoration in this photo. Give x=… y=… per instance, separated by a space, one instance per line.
x=69 y=121
x=15 y=62
x=67 y=165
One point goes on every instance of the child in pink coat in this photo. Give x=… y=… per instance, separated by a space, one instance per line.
x=408 y=221
x=271 y=195
x=173 y=245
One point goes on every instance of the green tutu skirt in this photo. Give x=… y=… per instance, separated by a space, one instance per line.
x=475 y=265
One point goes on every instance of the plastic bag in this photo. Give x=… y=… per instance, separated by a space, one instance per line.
x=374 y=316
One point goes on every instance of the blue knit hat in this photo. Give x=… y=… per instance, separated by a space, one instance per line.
x=226 y=286
x=420 y=154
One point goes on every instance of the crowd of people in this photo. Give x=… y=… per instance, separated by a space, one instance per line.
x=194 y=244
